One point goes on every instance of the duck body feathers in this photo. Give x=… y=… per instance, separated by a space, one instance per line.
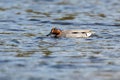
x=71 y=33
x=77 y=33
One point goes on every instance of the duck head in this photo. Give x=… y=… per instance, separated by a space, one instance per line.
x=55 y=32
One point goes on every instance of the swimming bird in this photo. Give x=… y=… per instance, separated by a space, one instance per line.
x=56 y=33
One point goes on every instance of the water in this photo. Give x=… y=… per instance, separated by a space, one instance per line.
x=27 y=54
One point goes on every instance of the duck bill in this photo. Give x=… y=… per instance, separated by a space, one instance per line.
x=48 y=34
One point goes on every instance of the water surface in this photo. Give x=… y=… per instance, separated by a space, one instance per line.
x=27 y=54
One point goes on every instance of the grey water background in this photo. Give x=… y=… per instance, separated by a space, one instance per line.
x=27 y=54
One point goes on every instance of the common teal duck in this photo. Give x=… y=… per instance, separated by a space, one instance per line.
x=56 y=33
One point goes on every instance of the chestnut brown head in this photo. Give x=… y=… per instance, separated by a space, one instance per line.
x=55 y=31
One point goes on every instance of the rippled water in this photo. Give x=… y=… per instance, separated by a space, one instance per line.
x=27 y=54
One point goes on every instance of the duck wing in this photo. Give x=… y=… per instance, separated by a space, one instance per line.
x=78 y=33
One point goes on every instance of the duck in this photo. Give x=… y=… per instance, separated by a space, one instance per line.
x=57 y=33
